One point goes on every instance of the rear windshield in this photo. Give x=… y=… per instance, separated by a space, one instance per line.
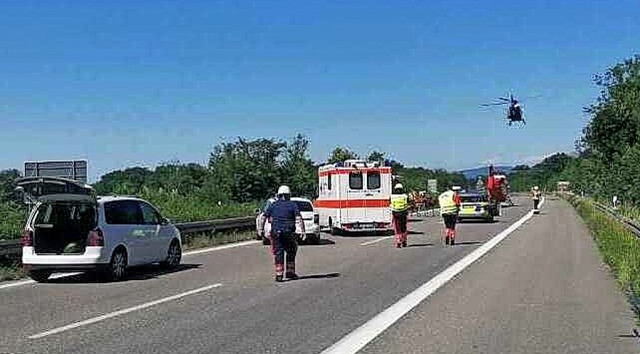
x=66 y=213
x=472 y=199
x=304 y=206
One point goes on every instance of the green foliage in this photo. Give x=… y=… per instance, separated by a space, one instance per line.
x=416 y=178
x=12 y=219
x=615 y=117
x=376 y=156
x=341 y=154
x=545 y=174
x=12 y=214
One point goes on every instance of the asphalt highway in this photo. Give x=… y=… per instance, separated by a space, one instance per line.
x=225 y=300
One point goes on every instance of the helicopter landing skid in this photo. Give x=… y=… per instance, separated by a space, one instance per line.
x=523 y=122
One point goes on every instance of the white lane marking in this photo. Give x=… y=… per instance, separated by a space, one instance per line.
x=27 y=282
x=364 y=334
x=219 y=248
x=375 y=241
x=122 y=312
x=204 y=250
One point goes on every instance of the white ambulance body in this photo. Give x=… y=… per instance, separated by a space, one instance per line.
x=354 y=196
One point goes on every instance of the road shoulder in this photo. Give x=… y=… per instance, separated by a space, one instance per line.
x=544 y=289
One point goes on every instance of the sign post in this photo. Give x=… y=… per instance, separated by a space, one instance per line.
x=432 y=186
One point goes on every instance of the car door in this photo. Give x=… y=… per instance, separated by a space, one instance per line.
x=127 y=220
x=159 y=234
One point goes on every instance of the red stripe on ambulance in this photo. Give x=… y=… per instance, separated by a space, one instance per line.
x=352 y=203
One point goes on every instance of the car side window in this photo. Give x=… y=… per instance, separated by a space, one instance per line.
x=149 y=214
x=125 y=212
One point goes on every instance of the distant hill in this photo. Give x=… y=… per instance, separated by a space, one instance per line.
x=473 y=173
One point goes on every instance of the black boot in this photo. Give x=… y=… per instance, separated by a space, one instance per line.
x=292 y=276
x=279 y=278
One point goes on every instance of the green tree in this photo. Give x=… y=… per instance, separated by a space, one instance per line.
x=340 y=154
x=298 y=171
x=376 y=156
x=248 y=170
x=615 y=117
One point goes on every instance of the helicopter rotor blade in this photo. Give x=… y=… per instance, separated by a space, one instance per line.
x=493 y=104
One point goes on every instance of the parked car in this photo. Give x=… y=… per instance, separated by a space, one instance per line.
x=71 y=229
x=309 y=216
x=474 y=206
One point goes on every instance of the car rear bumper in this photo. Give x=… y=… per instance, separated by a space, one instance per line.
x=65 y=267
x=475 y=216
x=91 y=257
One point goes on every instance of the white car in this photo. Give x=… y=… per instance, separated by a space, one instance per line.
x=310 y=218
x=70 y=229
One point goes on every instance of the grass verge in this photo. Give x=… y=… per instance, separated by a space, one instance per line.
x=619 y=248
x=10 y=269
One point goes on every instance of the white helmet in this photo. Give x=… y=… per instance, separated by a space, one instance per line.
x=398 y=186
x=284 y=190
x=535 y=188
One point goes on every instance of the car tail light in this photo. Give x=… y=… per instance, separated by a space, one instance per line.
x=316 y=219
x=95 y=238
x=27 y=238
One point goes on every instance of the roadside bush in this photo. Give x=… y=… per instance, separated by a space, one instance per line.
x=12 y=219
x=187 y=208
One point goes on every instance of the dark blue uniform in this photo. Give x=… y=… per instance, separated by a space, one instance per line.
x=283 y=215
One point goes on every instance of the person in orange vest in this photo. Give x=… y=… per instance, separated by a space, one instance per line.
x=449 y=208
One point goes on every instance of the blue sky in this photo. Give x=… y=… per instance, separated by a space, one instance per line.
x=125 y=83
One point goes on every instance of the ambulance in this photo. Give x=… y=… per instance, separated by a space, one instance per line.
x=354 y=196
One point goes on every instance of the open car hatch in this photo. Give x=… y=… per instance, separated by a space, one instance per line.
x=54 y=188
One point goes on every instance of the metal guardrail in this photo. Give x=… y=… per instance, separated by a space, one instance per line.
x=631 y=225
x=14 y=248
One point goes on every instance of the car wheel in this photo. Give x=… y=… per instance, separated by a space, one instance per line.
x=118 y=265
x=40 y=276
x=174 y=255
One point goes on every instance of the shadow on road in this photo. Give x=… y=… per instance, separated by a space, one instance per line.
x=135 y=273
x=420 y=245
x=411 y=232
x=318 y=276
x=323 y=242
x=478 y=221
x=467 y=243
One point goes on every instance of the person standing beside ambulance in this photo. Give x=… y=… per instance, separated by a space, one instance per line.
x=449 y=207
x=399 y=202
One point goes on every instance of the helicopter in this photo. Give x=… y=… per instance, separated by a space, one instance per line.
x=514 y=110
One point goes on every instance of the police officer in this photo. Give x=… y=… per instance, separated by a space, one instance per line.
x=400 y=210
x=284 y=214
x=449 y=207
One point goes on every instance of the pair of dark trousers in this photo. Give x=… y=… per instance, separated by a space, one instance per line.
x=285 y=247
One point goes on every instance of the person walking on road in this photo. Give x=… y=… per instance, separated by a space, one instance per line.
x=400 y=210
x=535 y=195
x=284 y=215
x=449 y=207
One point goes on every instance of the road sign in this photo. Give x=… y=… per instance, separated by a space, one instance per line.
x=432 y=186
x=71 y=169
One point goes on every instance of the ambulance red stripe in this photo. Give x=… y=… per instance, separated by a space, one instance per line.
x=352 y=203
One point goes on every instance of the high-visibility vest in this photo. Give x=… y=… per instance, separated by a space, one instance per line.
x=447 y=204
x=399 y=202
